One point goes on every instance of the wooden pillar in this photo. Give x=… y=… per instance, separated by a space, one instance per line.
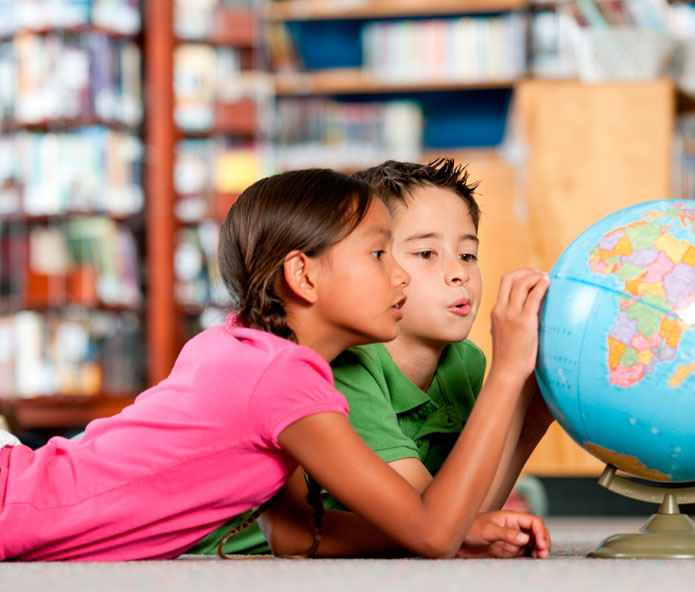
x=162 y=346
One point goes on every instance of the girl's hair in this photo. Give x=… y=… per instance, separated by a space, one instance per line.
x=314 y=498
x=306 y=210
x=394 y=182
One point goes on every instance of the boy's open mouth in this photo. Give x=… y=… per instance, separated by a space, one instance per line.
x=462 y=306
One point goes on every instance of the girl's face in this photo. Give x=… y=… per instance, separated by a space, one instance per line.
x=361 y=285
x=436 y=242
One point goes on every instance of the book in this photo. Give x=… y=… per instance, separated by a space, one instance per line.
x=467 y=49
x=194 y=86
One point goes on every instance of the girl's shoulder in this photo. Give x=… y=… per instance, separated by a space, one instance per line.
x=240 y=349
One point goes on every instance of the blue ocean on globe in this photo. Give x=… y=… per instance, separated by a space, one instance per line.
x=616 y=360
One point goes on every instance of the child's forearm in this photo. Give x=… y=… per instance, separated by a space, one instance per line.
x=529 y=425
x=471 y=467
x=503 y=480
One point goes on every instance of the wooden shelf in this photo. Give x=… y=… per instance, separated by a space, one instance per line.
x=355 y=81
x=69 y=31
x=56 y=412
x=61 y=125
x=31 y=219
x=301 y=10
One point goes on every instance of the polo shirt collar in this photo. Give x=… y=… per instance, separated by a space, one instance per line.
x=405 y=396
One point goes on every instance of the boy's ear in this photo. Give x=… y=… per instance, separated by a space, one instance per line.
x=299 y=270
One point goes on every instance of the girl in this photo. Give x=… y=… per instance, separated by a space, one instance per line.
x=306 y=256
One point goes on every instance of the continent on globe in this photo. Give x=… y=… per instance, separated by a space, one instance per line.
x=657 y=302
x=626 y=462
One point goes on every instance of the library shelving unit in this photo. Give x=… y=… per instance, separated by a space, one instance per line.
x=208 y=99
x=455 y=61
x=71 y=219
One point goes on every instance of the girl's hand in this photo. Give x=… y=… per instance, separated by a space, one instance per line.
x=514 y=322
x=504 y=535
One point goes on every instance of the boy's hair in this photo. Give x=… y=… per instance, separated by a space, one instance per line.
x=394 y=181
x=306 y=210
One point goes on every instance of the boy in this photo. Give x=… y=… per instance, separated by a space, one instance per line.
x=409 y=398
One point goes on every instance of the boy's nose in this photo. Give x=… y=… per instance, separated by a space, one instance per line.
x=456 y=274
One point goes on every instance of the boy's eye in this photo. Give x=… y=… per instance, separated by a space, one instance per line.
x=468 y=257
x=424 y=254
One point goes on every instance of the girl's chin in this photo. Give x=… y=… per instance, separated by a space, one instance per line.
x=380 y=337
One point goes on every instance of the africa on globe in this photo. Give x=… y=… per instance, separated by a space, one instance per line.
x=616 y=360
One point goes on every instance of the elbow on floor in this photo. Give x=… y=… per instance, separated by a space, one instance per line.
x=438 y=544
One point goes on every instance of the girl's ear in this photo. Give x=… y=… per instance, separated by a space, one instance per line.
x=300 y=271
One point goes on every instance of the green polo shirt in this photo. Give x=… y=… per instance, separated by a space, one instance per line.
x=394 y=417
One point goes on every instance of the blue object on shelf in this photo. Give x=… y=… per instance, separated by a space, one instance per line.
x=328 y=44
x=473 y=118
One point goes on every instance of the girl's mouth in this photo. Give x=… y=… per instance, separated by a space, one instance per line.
x=398 y=306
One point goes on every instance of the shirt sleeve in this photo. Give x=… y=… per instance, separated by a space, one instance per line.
x=360 y=379
x=295 y=385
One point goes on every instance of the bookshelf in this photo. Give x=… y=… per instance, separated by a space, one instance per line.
x=223 y=102
x=71 y=211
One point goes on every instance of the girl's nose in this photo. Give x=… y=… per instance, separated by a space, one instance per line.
x=400 y=276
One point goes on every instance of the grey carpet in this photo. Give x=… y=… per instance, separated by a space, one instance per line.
x=567 y=570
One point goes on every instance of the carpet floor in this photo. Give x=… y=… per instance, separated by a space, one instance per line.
x=566 y=570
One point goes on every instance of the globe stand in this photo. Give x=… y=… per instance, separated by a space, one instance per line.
x=666 y=535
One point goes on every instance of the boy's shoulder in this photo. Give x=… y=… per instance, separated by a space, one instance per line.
x=363 y=365
x=370 y=353
x=463 y=361
x=468 y=350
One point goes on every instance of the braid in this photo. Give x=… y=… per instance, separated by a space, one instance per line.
x=264 y=310
x=314 y=498
x=248 y=522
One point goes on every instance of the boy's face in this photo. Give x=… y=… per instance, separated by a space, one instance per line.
x=435 y=241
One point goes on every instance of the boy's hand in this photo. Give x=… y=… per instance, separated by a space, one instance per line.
x=514 y=322
x=506 y=534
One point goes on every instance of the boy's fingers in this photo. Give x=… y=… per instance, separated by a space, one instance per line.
x=508 y=280
x=525 y=291
x=536 y=294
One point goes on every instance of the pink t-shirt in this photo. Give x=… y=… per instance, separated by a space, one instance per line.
x=191 y=452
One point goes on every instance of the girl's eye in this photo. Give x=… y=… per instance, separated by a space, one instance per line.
x=378 y=254
x=468 y=257
x=425 y=254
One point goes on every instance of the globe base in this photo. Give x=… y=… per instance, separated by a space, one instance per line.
x=666 y=535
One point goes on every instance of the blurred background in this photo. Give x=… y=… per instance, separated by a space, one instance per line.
x=128 y=128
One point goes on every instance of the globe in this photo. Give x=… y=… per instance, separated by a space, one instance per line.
x=616 y=360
